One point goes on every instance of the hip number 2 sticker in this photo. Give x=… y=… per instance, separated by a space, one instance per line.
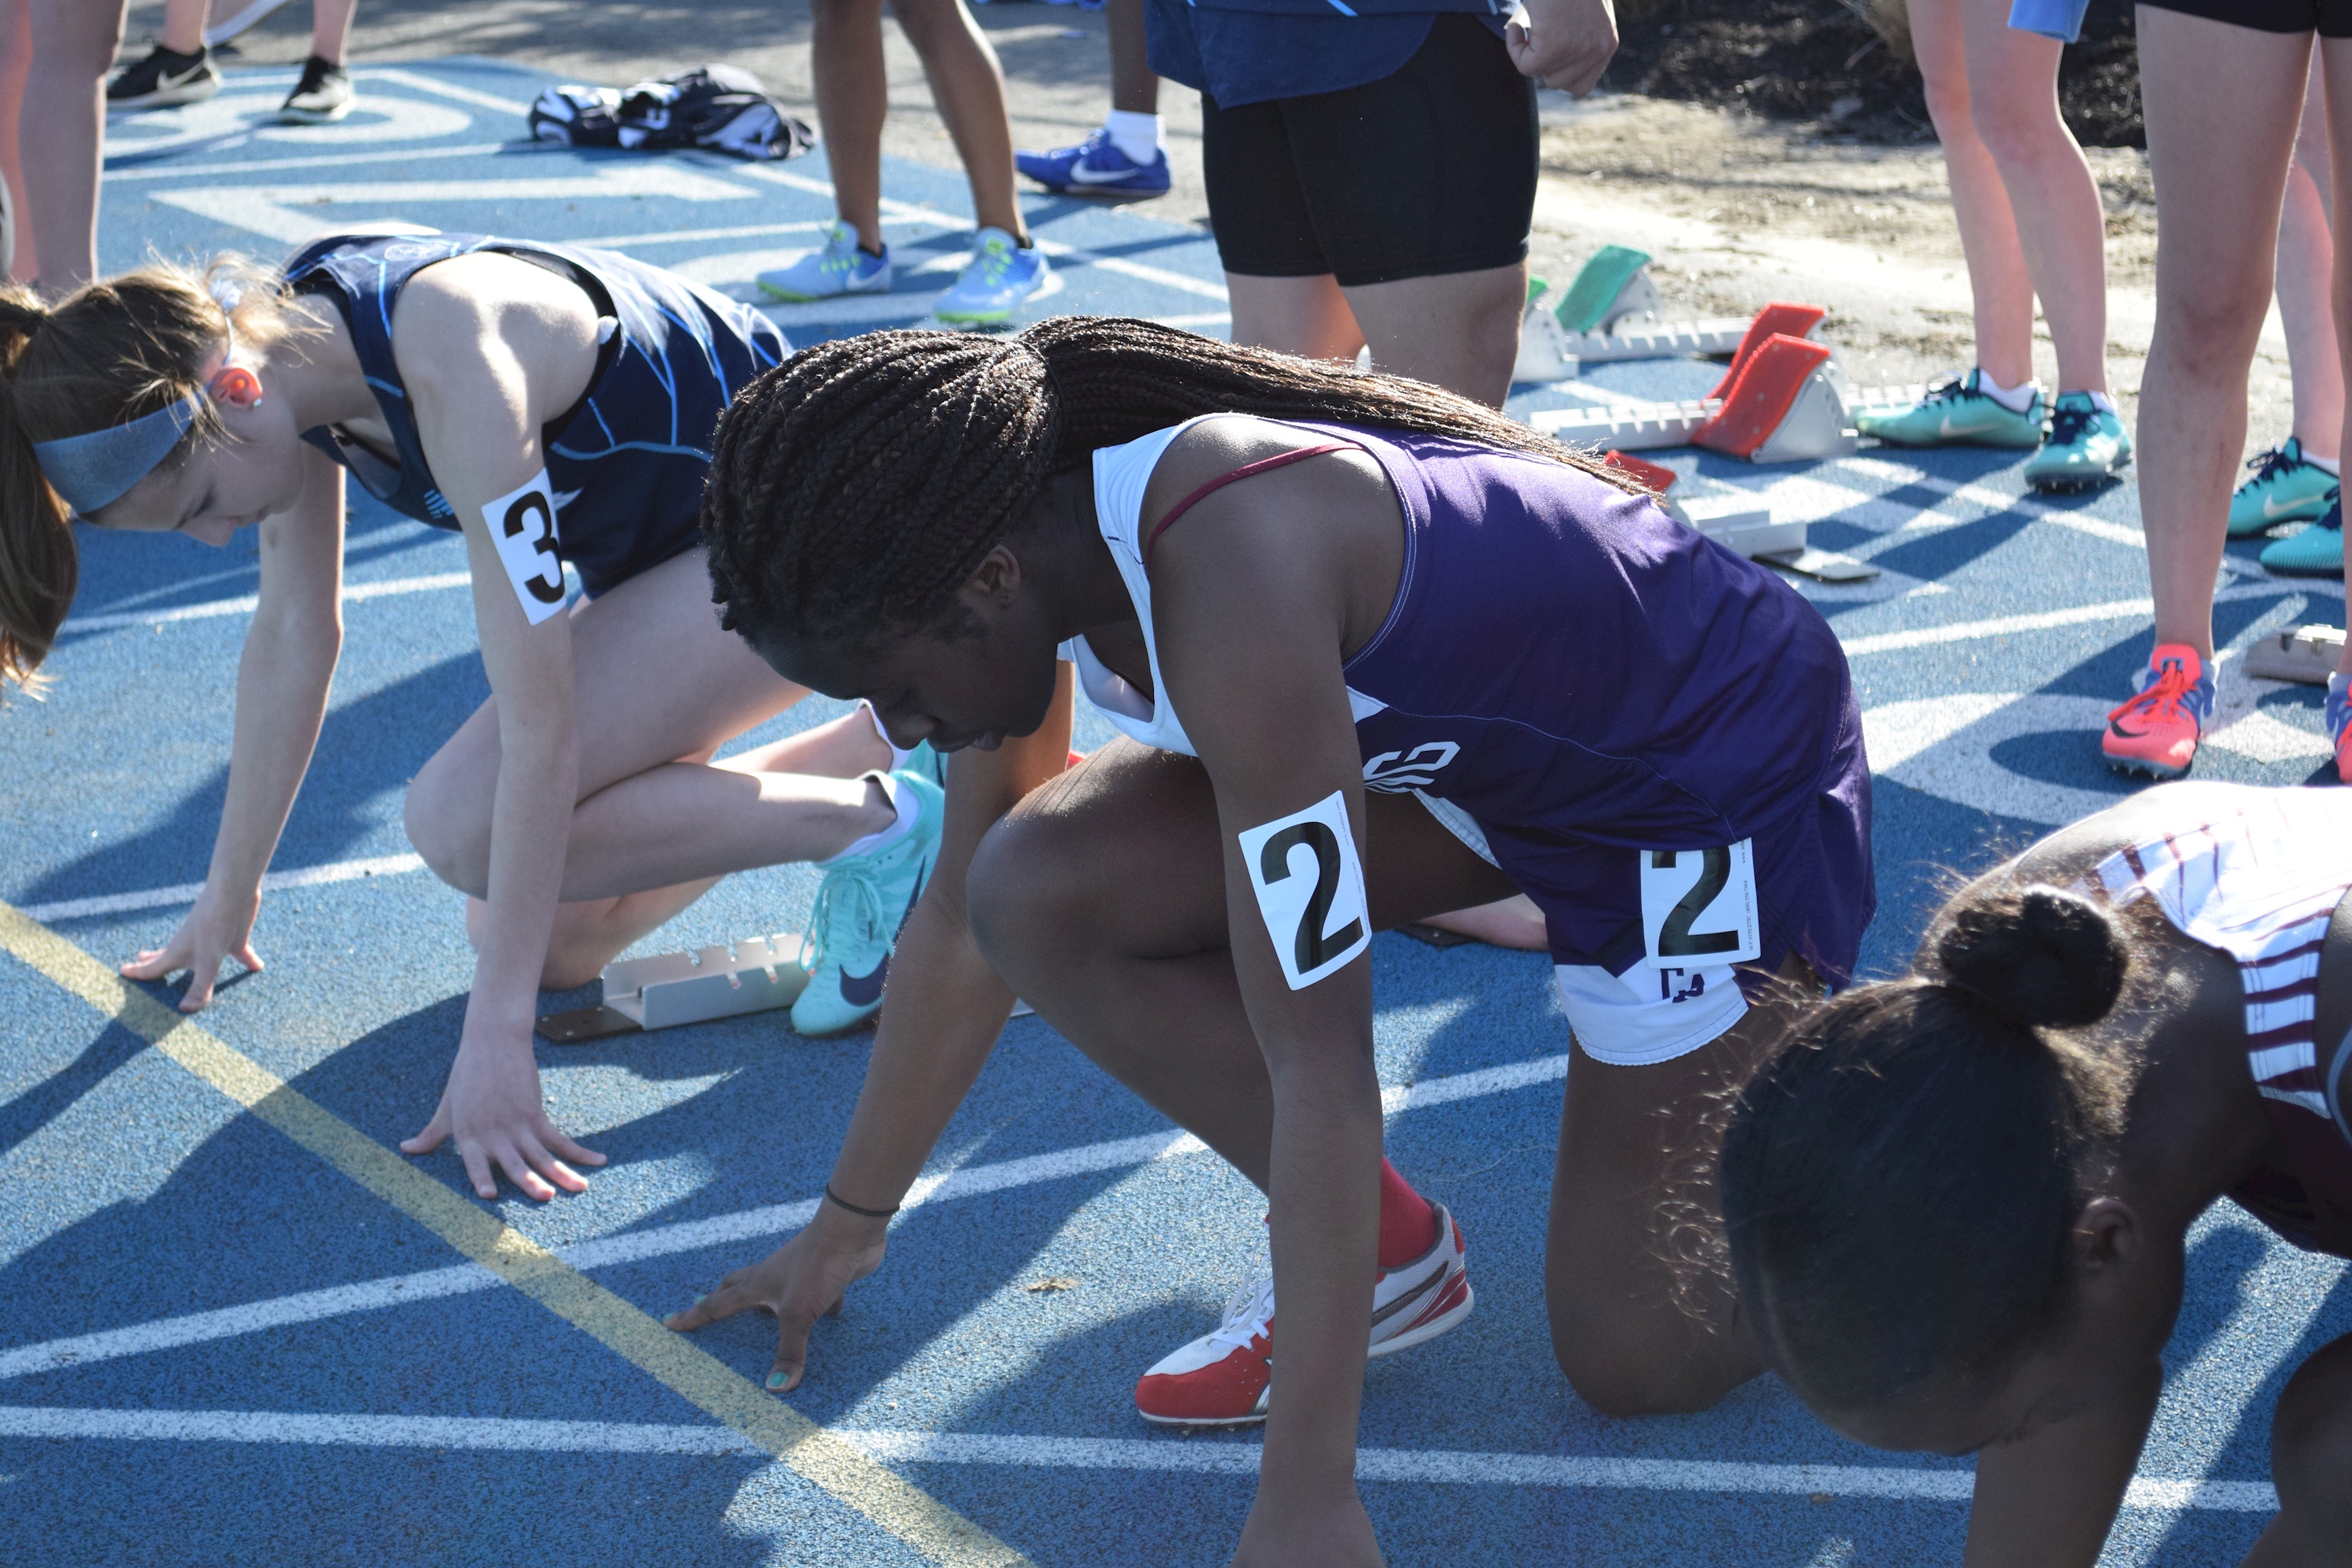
x=1699 y=907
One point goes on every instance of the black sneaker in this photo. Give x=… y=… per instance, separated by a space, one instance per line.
x=164 y=78
x=323 y=94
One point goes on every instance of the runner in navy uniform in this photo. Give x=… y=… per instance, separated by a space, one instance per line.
x=1958 y=1202
x=553 y=404
x=1422 y=657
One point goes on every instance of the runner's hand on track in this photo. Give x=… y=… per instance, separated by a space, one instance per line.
x=218 y=927
x=1565 y=44
x=799 y=1282
x=1330 y=1531
x=492 y=1107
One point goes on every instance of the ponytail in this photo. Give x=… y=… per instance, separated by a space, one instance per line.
x=856 y=486
x=1899 y=1178
x=109 y=354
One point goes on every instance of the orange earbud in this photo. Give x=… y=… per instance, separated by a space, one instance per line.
x=237 y=386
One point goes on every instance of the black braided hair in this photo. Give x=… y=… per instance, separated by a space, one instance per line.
x=856 y=486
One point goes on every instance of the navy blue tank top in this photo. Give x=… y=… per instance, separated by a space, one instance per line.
x=627 y=464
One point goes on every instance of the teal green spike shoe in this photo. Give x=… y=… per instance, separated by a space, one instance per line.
x=2313 y=552
x=2085 y=447
x=2288 y=487
x=860 y=907
x=1955 y=413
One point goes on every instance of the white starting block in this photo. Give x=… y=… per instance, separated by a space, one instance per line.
x=752 y=975
x=1743 y=524
x=2307 y=653
x=1612 y=312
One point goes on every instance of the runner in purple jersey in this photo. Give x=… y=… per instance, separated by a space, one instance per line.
x=1379 y=652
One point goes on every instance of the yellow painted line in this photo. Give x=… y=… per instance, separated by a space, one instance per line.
x=907 y=1511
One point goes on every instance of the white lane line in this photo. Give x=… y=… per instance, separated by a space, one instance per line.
x=295 y=214
x=1141 y=271
x=1895 y=475
x=185 y=892
x=449 y=89
x=353 y=593
x=2044 y=620
x=774 y=1219
x=168 y=170
x=1404 y=1465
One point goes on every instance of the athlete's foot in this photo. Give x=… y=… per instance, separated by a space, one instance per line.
x=2158 y=730
x=164 y=78
x=2287 y=487
x=862 y=901
x=840 y=267
x=2086 y=445
x=2339 y=724
x=1096 y=167
x=1225 y=1377
x=1958 y=412
x=2313 y=552
x=1001 y=273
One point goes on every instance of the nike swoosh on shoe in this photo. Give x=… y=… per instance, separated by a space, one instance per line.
x=2273 y=514
x=1950 y=429
x=865 y=990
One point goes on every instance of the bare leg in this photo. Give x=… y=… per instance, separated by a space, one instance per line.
x=2013 y=98
x=2002 y=294
x=2221 y=103
x=2311 y=1453
x=1305 y=316
x=660 y=689
x=2336 y=61
x=1459 y=331
x=58 y=131
x=2305 y=276
x=969 y=87
x=331 y=29
x=852 y=95
x=1134 y=85
x=1640 y=1329
x=1146 y=986
x=184 y=25
x=1512 y=922
x=23 y=264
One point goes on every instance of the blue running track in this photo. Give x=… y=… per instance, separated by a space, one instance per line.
x=219 y=1344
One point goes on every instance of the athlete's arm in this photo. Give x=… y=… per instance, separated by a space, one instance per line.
x=282 y=680
x=484 y=367
x=2049 y=1500
x=1254 y=593
x=941 y=1017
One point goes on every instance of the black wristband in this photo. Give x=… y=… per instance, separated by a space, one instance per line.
x=853 y=1208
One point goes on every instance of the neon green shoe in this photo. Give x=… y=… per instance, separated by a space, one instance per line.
x=2313 y=552
x=2288 y=487
x=2085 y=446
x=861 y=905
x=1956 y=413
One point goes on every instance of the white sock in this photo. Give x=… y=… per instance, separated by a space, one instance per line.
x=2016 y=399
x=897 y=757
x=911 y=812
x=2330 y=466
x=2099 y=400
x=1137 y=135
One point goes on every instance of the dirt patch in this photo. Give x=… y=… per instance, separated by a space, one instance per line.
x=1822 y=61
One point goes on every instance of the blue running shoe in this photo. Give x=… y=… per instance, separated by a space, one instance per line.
x=2085 y=446
x=999 y=276
x=2313 y=552
x=840 y=267
x=861 y=905
x=2288 y=487
x=1958 y=412
x=1096 y=167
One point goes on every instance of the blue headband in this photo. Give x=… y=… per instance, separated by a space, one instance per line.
x=91 y=470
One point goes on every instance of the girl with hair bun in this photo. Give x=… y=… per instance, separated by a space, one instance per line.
x=1424 y=658
x=1956 y=1202
x=555 y=405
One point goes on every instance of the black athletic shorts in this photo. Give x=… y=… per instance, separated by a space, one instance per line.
x=1427 y=172
x=2328 y=18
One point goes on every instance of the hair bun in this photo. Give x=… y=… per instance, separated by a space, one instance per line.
x=2048 y=958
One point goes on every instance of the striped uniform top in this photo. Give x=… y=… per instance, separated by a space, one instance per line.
x=2257 y=874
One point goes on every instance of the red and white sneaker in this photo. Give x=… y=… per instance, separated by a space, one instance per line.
x=1224 y=1377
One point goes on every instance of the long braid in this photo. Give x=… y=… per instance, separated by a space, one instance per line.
x=854 y=487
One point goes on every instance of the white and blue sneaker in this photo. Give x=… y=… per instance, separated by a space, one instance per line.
x=1096 y=167
x=840 y=267
x=861 y=905
x=1001 y=274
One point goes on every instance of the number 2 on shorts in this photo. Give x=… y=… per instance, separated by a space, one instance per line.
x=1310 y=889
x=1699 y=907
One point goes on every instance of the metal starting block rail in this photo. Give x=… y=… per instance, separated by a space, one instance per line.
x=1826 y=430
x=2306 y=654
